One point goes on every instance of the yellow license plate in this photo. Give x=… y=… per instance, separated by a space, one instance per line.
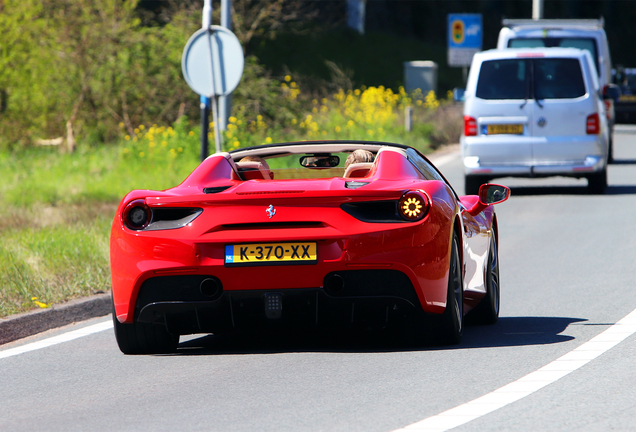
x=627 y=98
x=510 y=129
x=271 y=253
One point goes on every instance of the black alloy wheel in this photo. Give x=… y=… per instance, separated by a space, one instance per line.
x=472 y=184
x=597 y=182
x=144 y=338
x=451 y=323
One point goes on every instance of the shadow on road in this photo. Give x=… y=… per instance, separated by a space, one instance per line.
x=624 y=162
x=517 y=191
x=509 y=331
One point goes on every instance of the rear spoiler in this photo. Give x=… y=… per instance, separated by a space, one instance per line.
x=554 y=23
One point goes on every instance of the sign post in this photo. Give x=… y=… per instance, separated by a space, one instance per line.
x=212 y=65
x=464 y=39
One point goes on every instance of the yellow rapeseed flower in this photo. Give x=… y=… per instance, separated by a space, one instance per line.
x=142 y=154
x=191 y=133
x=287 y=78
x=142 y=127
x=127 y=137
x=268 y=140
x=232 y=119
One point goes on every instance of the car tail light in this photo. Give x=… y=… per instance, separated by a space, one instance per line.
x=137 y=215
x=470 y=126
x=593 y=124
x=413 y=206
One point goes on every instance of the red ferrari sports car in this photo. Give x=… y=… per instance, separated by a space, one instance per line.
x=295 y=235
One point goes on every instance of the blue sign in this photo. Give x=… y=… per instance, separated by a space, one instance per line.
x=465 y=31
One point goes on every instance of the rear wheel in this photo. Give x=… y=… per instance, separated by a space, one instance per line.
x=144 y=338
x=487 y=311
x=472 y=184
x=450 y=325
x=610 y=150
x=597 y=182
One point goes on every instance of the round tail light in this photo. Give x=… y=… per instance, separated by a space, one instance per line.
x=137 y=215
x=413 y=206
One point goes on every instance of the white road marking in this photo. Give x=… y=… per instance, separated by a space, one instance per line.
x=530 y=383
x=65 y=337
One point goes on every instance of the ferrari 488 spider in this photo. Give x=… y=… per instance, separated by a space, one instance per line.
x=287 y=236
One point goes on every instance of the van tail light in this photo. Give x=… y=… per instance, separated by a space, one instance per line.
x=593 y=124
x=470 y=126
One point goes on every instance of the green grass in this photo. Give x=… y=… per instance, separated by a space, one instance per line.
x=55 y=216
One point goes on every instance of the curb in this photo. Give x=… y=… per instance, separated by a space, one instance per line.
x=29 y=323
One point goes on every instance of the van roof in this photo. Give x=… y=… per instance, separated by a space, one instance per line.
x=565 y=24
x=530 y=52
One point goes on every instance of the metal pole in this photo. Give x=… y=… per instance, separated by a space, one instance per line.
x=205 y=101
x=205 y=114
x=537 y=9
x=206 y=24
x=225 y=102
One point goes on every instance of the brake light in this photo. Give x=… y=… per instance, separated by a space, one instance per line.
x=593 y=124
x=137 y=215
x=413 y=206
x=470 y=126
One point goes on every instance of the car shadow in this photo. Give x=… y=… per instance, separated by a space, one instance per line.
x=517 y=191
x=623 y=162
x=508 y=331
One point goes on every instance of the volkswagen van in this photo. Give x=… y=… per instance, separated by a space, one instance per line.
x=534 y=112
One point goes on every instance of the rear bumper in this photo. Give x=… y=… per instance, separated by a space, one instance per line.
x=533 y=157
x=348 y=299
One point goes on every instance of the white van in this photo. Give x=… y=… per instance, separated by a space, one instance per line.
x=534 y=112
x=587 y=34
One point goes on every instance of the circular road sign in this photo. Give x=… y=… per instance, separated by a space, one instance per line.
x=225 y=62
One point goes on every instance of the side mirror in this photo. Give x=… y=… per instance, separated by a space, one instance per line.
x=611 y=91
x=489 y=194
x=493 y=194
x=459 y=94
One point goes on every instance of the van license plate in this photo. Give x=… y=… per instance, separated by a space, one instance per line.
x=510 y=129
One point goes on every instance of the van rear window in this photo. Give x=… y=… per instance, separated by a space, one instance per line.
x=558 y=78
x=535 y=78
x=503 y=79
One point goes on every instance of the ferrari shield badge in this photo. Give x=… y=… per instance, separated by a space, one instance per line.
x=271 y=211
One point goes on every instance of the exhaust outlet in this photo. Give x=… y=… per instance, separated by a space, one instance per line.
x=210 y=287
x=335 y=283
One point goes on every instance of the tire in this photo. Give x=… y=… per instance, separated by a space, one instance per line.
x=610 y=150
x=597 y=182
x=472 y=184
x=144 y=338
x=450 y=325
x=487 y=311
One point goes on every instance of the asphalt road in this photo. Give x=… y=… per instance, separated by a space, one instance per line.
x=567 y=276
